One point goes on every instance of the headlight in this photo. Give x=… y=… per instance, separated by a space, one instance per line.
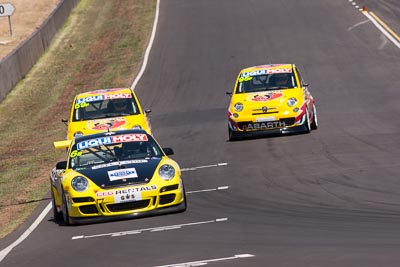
x=238 y=107
x=79 y=183
x=137 y=126
x=78 y=134
x=291 y=102
x=166 y=172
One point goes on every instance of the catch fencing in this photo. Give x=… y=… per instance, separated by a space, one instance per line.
x=17 y=64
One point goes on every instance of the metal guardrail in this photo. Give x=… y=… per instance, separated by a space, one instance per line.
x=17 y=64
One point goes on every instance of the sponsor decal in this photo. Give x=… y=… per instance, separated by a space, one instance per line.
x=94 y=142
x=89 y=99
x=106 y=124
x=279 y=70
x=131 y=194
x=104 y=194
x=116 y=96
x=129 y=138
x=122 y=174
x=110 y=140
x=264 y=125
x=135 y=189
x=118 y=163
x=272 y=70
x=253 y=73
x=265 y=98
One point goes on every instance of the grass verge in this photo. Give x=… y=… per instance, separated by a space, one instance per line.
x=100 y=46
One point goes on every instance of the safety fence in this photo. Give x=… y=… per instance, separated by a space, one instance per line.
x=17 y=64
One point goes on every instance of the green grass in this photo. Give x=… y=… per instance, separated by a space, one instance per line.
x=100 y=46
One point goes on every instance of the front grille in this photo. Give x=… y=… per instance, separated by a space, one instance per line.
x=169 y=188
x=265 y=110
x=88 y=209
x=133 y=205
x=122 y=184
x=252 y=126
x=82 y=199
x=165 y=199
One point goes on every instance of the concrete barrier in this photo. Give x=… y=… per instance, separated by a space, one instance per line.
x=17 y=64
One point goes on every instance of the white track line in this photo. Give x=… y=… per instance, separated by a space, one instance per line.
x=205 y=166
x=147 y=53
x=153 y=229
x=8 y=249
x=382 y=29
x=205 y=262
x=208 y=190
x=4 y=252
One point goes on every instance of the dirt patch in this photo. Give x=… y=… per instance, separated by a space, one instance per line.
x=28 y=16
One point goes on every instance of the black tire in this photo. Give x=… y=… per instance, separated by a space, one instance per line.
x=233 y=136
x=184 y=201
x=307 y=124
x=56 y=214
x=64 y=210
x=314 y=124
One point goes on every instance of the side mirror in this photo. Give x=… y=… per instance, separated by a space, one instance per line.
x=147 y=111
x=62 y=165
x=65 y=121
x=229 y=93
x=168 y=151
x=305 y=84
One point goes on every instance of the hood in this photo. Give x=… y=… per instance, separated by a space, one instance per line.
x=122 y=173
x=114 y=124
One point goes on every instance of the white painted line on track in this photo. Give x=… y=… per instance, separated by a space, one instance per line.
x=382 y=29
x=154 y=229
x=8 y=249
x=205 y=262
x=208 y=190
x=205 y=166
x=358 y=24
x=4 y=252
x=148 y=49
x=389 y=33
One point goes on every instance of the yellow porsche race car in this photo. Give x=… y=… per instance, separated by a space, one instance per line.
x=270 y=99
x=115 y=175
x=106 y=110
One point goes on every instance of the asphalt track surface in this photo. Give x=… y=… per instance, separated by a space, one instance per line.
x=329 y=198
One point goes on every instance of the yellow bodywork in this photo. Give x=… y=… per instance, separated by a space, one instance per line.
x=148 y=194
x=269 y=109
x=115 y=123
x=102 y=199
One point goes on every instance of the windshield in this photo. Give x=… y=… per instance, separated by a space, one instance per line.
x=249 y=83
x=97 y=107
x=113 y=148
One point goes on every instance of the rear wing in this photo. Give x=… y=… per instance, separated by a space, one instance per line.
x=62 y=144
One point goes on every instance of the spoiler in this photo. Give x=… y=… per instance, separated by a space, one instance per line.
x=62 y=144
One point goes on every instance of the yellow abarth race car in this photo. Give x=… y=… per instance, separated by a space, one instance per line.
x=115 y=175
x=106 y=110
x=270 y=99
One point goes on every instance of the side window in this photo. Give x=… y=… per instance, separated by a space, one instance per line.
x=302 y=82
